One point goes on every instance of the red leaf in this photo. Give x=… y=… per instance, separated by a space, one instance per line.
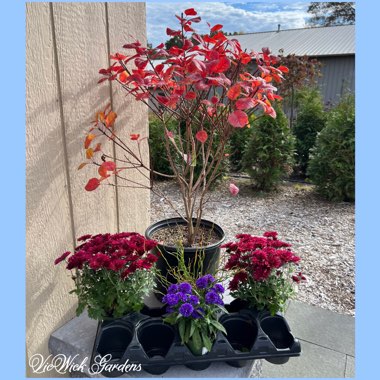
x=105 y=167
x=188 y=28
x=245 y=103
x=92 y=184
x=234 y=92
x=284 y=69
x=190 y=95
x=238 y=119
x=201 y=136
x=216 y=28
x=222 y=65
x=134 y=136
x=171 y=32
x=190 y=12
x=97 y=148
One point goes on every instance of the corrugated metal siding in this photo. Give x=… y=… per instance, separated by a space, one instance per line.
x=320 y=41
x=338 y=77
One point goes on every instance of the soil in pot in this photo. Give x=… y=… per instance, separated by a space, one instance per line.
x=210 y=252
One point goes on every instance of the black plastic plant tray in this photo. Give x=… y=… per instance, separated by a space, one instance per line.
x=143 y=338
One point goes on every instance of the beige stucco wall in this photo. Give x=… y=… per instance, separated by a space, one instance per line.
x=66 y=44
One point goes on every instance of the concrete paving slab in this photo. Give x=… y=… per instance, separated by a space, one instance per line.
x=323 y=327
x=350 y=366
x=314 y=362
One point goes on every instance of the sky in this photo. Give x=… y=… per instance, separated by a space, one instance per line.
x=235 y=17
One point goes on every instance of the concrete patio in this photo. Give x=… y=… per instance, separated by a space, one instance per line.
x=327 y=341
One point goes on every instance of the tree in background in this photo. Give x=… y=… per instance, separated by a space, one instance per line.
x=334 y=13
x=311 y=119
x=332 y=160
x=269 y=154
x=303 y=71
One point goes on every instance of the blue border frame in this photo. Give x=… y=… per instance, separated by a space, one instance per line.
x=13 y=187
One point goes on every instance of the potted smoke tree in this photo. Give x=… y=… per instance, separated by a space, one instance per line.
x=209 y=86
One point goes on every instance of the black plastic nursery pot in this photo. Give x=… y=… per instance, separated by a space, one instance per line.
x=211 y=252
x=144 y=339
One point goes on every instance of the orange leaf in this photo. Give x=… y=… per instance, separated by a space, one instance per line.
x=234 y=92
x=82 y=165
x=110 y=119
x=89 y=153
x=88 y=140
x=123 y=77
x=92 y=184
x=97 y=148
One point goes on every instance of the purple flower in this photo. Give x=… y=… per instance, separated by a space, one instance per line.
x=185 y=287
x=173 y=288
x=171 y=299
x=212 y=298
x=194 y=300
x=218 y=288
x=210 y=278
x=186 y=309
x=197 y=313
x=183 y=296
x=202 y=282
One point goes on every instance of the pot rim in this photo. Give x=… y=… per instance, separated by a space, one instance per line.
x=161 y=224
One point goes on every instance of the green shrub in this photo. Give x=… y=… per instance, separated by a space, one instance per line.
x=158 y=154
x=311 y=119
x=237 y=145
x=332 y=162
x=270 y=150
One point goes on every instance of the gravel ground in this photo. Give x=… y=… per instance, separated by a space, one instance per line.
x=321 y=232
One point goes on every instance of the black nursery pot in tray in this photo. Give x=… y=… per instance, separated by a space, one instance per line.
x=277 y=330
x=144 y=338
x=156 y=339
x=241 y=334
x=211 y=252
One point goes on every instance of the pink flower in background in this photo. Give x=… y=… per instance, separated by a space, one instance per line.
x=234 y=190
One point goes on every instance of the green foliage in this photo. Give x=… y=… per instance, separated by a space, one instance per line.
x=332 y=162
x=269 y=153
x=237 y=145
x=270 y=294
x=331 y=13
x=158 y=153
x=158 y=156
x=311 y=119
x=107 y=295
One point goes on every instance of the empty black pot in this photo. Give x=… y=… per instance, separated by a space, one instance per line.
x=241 y=334
x=277 y=331
x=211 y=252
x=155 y=338
x=114 y=340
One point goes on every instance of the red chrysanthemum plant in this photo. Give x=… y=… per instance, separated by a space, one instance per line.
x=262 y=270
x=113 y=273
x=208 y=85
